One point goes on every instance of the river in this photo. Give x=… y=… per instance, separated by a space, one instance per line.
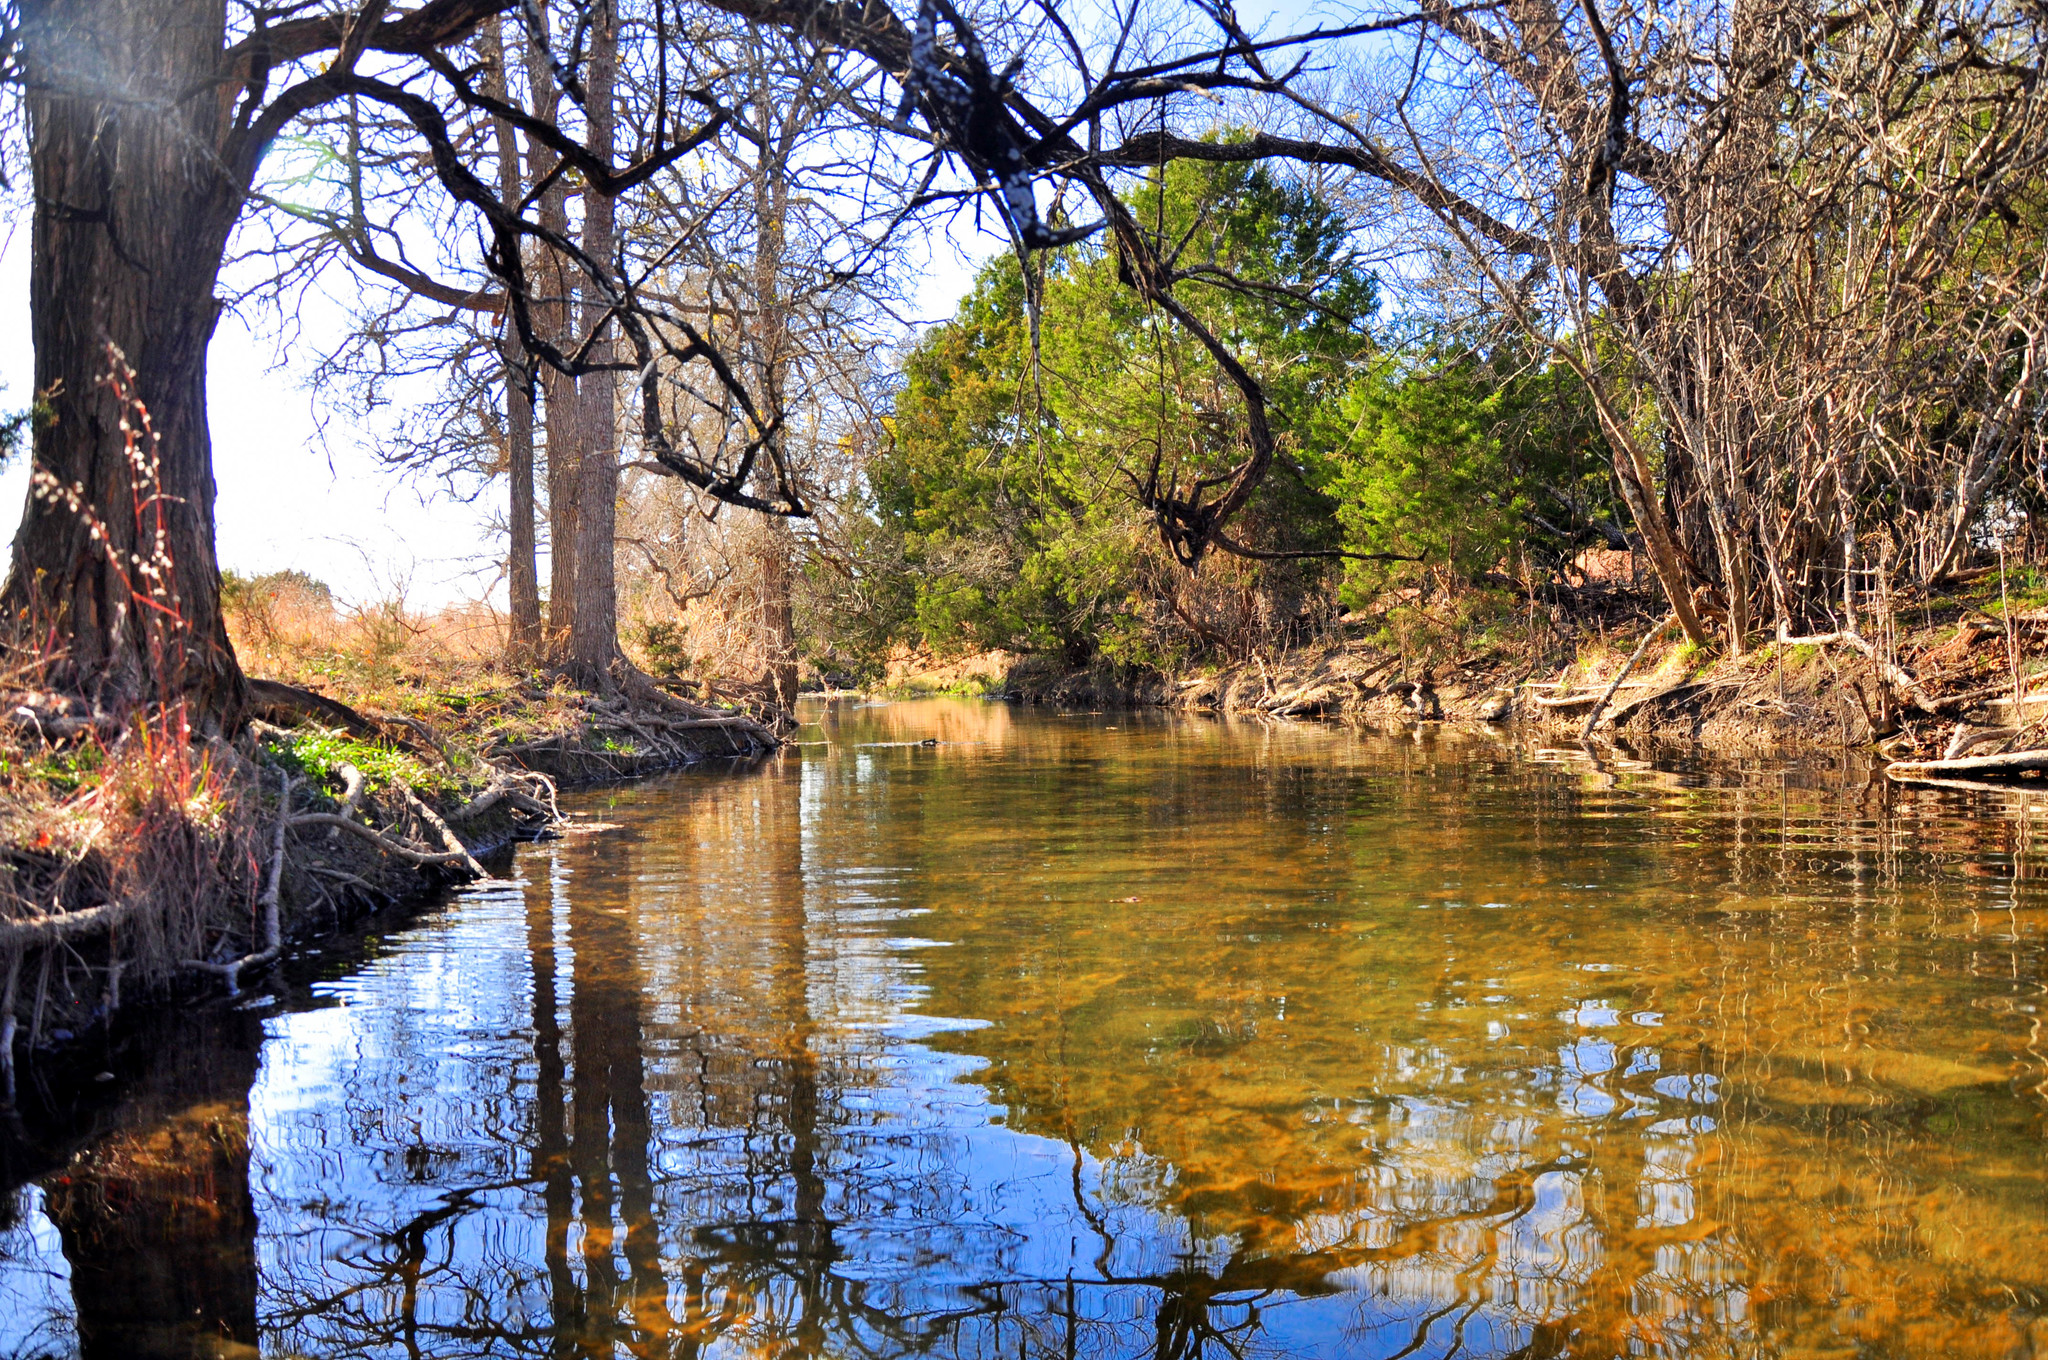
x=1107 y=1035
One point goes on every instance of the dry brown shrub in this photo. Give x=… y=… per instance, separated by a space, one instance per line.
x=287 y=629
x=691 y=587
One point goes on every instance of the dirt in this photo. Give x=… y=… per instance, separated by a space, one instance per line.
x=1960 y=653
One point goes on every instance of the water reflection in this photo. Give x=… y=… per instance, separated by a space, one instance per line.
x=1115 y=1035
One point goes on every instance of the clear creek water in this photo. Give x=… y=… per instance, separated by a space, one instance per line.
x=1114 y=1035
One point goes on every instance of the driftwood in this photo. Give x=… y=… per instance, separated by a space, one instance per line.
x=2005 y=765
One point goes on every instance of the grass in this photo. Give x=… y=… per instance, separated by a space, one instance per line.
x=444 y=670
x=320 y=753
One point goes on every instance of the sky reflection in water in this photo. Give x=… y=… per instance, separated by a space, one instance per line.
x=1183 y=1038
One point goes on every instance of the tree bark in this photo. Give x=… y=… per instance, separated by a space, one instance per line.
x=778 y=618
x=776 y=544
x=133 y=205
x=522 y=576
x=551 y=313
x=593 y=635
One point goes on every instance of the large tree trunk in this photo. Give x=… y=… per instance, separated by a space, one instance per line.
x=777 y=547
x=593 y=639
x=133 y=206
x=551 y=314
x=777 y=544
x=522 y=578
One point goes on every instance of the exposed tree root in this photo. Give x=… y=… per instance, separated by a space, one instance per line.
x=273 y=926
x=1893 y=674
x=275 y=702
x=448 y=837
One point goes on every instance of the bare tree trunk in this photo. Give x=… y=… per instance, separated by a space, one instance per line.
x=777 y=549
x=776 y=543
x=132 y=211
x=593 y=639
x=522 y=577
x=551 y=315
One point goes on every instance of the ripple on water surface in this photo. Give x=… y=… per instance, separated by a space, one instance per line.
x=1107 y=1035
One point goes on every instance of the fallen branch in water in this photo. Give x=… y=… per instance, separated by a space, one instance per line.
x=2005 y=764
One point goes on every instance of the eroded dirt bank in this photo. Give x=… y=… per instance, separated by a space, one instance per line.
x=1939 y=669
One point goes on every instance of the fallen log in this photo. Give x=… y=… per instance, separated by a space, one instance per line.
x=2033 y=789
x=2005 y=765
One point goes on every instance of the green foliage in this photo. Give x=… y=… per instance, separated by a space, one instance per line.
x=1468 y=460
x=1006 y=480
x=319 y=754
x=239 y=591
x=1003 y=513
x=665 y=642
x=65 y=770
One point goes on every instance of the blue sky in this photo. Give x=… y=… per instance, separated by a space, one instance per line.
x=289 y=498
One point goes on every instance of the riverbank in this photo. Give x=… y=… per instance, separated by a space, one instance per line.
x=144 y=864
x=1935 y=666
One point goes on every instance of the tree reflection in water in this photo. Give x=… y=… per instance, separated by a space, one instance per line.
x=692 y=1089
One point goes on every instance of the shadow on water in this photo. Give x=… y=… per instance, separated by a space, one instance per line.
x=1106 y=1035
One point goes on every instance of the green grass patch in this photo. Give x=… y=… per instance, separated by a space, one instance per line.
x=319 y=754
x=64 y=770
